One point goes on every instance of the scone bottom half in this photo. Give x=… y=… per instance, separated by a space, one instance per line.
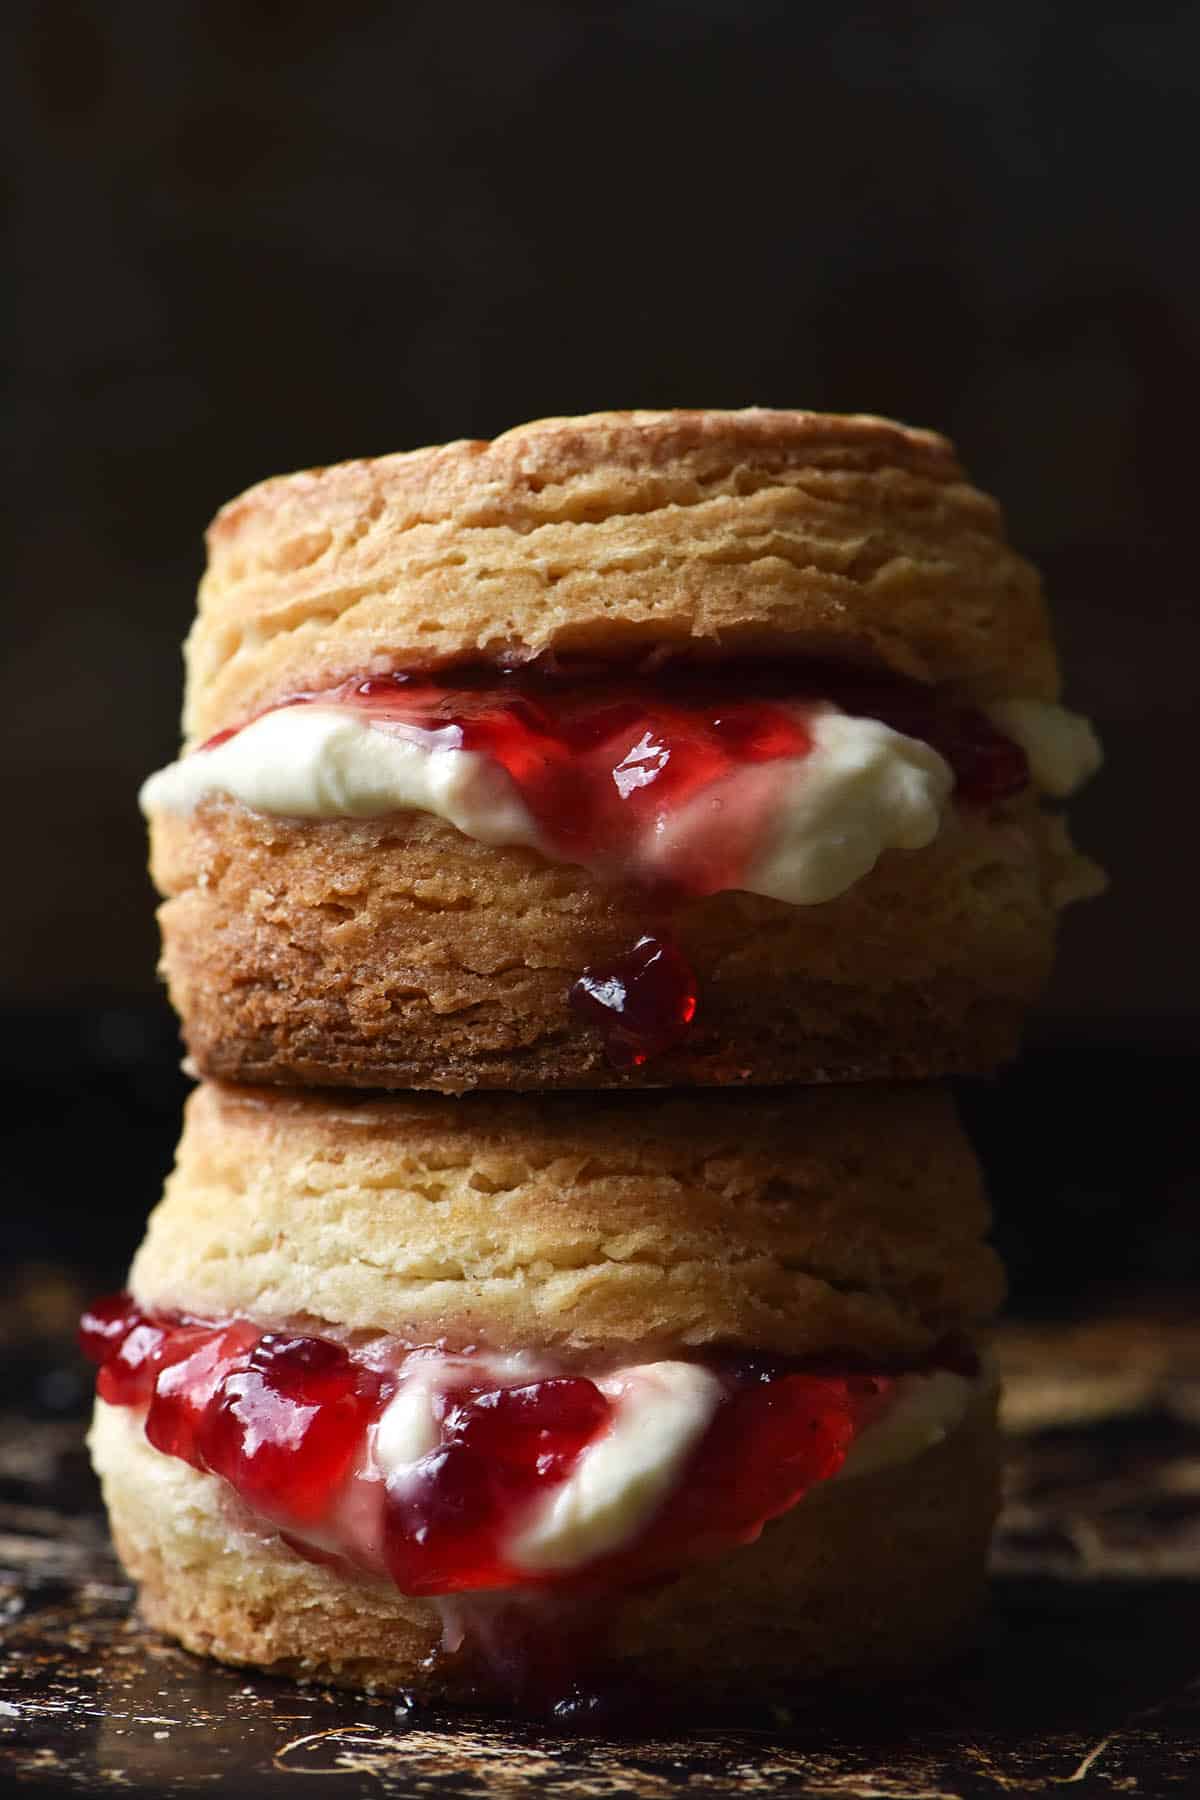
x=637 y=749
x=524 y=1400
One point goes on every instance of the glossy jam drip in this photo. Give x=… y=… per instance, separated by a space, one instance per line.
x=642 y=1003
x=286 y=1421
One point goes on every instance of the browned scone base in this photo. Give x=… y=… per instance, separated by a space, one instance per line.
x=808 y=1223
x=397 y=953
x=870 y=1578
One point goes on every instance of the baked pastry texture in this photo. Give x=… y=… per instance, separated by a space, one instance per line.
x=756 y=1237
x=397 y=953
x=805 y=1223
x=392 y=948
x=725 y=533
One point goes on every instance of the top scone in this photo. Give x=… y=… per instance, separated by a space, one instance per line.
x=647 y=747
x=720 y=533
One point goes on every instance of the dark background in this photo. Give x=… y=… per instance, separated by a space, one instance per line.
x=247 y=237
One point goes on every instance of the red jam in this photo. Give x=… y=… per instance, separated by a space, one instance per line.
x=596 y=759
x=642 y=1003
x=598 y=755
x=500 y=1449
x=284 y=1420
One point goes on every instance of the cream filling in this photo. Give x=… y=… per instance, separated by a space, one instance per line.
x=1062 y=748
x=328 y=762
x=826 y=817
x=924 y=1410
x=863 y=789
x=619 y=1481
x=663 y=1409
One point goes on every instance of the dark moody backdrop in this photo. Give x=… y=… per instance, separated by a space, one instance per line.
x=249 y=236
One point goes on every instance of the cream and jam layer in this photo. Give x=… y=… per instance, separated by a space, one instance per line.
x=449 y=1472
x=772 y=782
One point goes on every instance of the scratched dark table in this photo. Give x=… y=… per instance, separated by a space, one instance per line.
x=1085 y=1673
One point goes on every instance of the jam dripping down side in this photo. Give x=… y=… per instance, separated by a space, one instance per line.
x=642 y=1003
x=284 y=1419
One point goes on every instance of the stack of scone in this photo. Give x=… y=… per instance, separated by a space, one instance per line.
x=693 y=751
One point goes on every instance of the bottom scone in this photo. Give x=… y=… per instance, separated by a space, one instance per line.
x=515 y=1400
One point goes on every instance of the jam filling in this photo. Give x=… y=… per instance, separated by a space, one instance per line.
x=605 y=761
x=595 y=752
x=287 y=1421
x=642 y=1003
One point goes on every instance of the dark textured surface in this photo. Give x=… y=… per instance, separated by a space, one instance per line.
x=1086 y=1673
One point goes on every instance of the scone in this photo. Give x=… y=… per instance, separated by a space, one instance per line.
x=506 y=1398
x=641 y=748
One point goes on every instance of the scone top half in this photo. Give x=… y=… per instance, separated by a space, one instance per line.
x=612 y=536
x=469 y=728
x=530 y=1346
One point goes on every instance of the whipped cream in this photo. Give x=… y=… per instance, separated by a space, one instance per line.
x=862 y=789
x=328 y=762
x=1061 y=747
x=619 y=1481
x=925 y=1408
x=826 y=817
x=622 y=1478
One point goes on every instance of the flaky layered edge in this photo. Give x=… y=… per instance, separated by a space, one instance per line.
x=802 y=1223
x=611 y=536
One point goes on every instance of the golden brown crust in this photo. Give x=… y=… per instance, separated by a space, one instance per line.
x=821 y=1220
x=867 y=1578
x=847 y=537
x=397 y=953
